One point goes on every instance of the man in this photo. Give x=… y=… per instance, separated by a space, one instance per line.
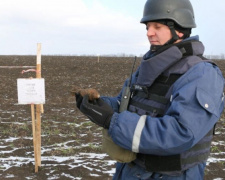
x=177 y=98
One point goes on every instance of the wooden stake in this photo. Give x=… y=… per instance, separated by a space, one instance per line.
x=38 y=108
x=34 y=136
x=38 y=133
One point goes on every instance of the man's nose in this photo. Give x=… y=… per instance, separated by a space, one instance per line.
x=150 y=32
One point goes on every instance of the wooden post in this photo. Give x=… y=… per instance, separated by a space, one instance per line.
x=34 y=136
x=38 y=109
x=98 y=57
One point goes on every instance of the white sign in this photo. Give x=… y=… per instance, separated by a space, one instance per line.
x=31 y=91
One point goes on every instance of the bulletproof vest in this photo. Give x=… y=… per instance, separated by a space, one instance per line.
x=151 y=96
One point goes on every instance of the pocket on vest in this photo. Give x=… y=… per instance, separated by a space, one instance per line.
x=206 y=101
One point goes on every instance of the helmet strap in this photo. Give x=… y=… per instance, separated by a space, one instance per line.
x=175 y=37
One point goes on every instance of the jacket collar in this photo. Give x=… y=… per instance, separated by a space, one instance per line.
x=154 y=65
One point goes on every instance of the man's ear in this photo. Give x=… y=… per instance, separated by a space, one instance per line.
x=180 y=34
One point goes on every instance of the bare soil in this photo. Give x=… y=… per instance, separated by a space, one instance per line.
x=71 y=144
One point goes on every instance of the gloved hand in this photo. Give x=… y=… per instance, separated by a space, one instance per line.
x=79 y=99
x=98 y=112
x=93 y=94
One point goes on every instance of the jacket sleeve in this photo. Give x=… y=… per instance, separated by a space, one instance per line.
x=114 y=102
x=196 y=105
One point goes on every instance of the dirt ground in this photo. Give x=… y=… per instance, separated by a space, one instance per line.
x=71 y=144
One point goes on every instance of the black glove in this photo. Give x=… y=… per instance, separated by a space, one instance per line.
x=79 y=99
x=98 y=112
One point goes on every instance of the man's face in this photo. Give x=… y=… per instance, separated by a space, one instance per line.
x=158 y=34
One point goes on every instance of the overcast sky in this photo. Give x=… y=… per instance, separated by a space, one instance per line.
x=77 y=27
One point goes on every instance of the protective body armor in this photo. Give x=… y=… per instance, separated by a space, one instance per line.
x=151 y=96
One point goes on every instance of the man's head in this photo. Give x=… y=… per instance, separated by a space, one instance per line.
x=171 y=20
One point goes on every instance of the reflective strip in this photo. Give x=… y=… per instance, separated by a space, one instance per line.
x=171 y=98
x=137 y=134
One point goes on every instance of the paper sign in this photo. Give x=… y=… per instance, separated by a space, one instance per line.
x=31 y=91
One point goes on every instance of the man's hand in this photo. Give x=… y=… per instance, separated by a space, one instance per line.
x=93 y=94
x=98 y=112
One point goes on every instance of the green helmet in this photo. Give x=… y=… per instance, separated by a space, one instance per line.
x=179 y=11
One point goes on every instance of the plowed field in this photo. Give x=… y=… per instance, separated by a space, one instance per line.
x=71 y=144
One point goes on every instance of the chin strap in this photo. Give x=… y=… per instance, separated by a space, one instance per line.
x=175 y=37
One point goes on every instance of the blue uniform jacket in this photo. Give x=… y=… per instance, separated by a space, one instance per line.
x=195 y=106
